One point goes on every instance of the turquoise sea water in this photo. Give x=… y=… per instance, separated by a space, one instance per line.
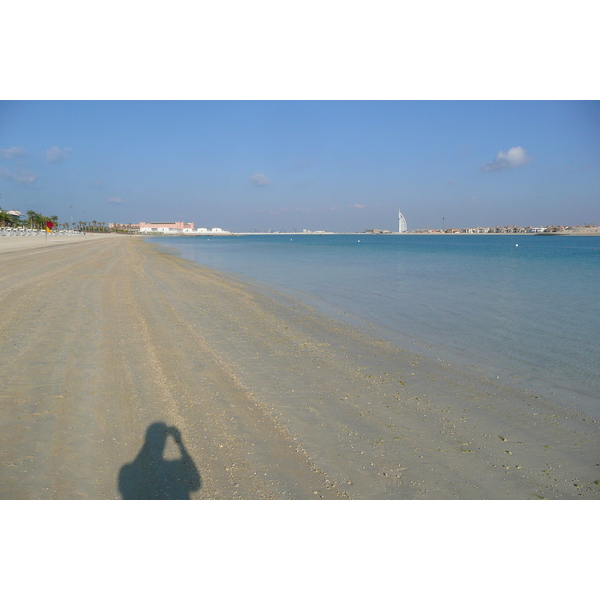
x=522 y=308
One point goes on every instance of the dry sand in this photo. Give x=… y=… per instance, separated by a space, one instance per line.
x=102 y=337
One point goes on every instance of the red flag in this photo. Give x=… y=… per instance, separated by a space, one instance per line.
x=49 y=224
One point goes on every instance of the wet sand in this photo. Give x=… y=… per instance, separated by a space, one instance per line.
x=260 y=396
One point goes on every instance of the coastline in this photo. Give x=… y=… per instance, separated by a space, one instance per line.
x=272 y=398
x=320 y=233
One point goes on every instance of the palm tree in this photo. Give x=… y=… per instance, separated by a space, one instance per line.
x=37 y=219
x=31 y=214
x=5 y=219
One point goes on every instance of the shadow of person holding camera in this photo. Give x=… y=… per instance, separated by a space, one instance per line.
x=152 y=477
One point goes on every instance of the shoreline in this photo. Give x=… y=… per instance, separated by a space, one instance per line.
x=511 y=366
x=319 y=233
x=272 y=398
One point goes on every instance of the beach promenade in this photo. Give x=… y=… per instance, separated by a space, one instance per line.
x=129 y=372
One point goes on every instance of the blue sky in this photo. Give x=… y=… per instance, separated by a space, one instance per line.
x=333 y=165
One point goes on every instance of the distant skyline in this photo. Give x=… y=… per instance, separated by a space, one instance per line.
x=319 y=165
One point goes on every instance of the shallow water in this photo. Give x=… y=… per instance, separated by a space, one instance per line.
x=524 y=308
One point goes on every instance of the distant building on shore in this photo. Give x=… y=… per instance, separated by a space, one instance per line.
x=164 y=227
x=504 y=229
x=171 y=227
x=402 y=226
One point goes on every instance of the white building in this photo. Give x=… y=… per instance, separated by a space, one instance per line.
x=172 y=227
x=175 y=228
x=402 y=227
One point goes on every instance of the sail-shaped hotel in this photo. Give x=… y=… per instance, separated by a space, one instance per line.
x=402 y=227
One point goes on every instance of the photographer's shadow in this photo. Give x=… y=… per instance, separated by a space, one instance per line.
x=152 y=477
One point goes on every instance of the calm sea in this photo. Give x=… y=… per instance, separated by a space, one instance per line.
x=525 y=309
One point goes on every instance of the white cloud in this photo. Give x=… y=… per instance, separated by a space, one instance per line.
x=115 y=200
x=357 y=206
x=13 y=152
x=20 y=176
x=56 y=155
x=96 y=183
x=259 y=179
x=515 y=157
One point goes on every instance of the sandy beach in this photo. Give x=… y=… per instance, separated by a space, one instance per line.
x=130 y=372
